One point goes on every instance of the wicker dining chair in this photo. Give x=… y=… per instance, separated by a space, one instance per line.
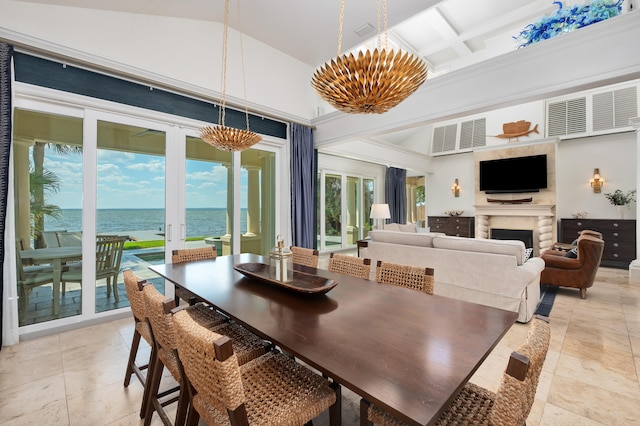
x=475 y=405
x=164 y=353
x=350 y=265
x=133 y=286
x=407 y=276
x=190 y=255
x=270 y=390
x=305 y=256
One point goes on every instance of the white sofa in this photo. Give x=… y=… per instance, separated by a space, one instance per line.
x=488 y=272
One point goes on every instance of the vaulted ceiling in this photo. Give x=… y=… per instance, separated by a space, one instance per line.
x=448 y=34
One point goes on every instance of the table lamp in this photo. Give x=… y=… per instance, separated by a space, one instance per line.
x=380 y=211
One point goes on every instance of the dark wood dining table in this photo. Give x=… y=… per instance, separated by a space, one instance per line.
x=403 y=350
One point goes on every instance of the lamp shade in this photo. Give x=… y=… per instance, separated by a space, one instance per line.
x=380 y=211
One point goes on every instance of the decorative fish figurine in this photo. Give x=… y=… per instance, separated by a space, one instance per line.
x=514 y=130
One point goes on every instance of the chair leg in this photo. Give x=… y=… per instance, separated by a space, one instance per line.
x=193 y=417
x=364 y=413
x=335 y=411
x=152 y=386
x=583 y=293
x=132 y=358
x=183 y=404
x=114 y=285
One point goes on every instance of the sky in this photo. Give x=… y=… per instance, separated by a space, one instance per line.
x=135 y=181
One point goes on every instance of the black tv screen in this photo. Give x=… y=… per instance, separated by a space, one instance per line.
x=511 y=175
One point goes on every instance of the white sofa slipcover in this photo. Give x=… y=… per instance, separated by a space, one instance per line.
x=488 y=272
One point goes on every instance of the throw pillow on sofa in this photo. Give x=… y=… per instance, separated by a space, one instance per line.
x=573 y=253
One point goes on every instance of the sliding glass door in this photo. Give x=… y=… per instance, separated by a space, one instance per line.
x=48 y=179
x=344 y=203
x=130 y=204
x=208 y=197
x=84 y=178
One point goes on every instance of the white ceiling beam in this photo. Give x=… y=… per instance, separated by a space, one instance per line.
x=441 y=24
x=591 y=57
x=532 y=10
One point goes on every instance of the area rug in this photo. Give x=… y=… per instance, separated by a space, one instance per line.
x=547 y=296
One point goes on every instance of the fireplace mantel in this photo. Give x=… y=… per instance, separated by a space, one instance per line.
x=536 y=217
x=515 y=210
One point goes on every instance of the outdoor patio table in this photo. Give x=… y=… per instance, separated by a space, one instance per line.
x=56 y=257
x=403 y=350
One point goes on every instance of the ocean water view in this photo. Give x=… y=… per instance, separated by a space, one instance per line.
x=202 y=222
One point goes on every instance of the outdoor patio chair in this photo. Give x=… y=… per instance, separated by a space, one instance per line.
x=30 y=277
x=108 y=258
x=164 y=352
x=407 y=276
x=350 y=265
x=270 y=390
x=190 y=255
x=476 y=405
x=305 y=256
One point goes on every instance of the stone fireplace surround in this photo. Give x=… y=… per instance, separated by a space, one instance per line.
x=538 y=215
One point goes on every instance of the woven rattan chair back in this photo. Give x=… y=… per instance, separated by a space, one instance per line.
x=161 y=323
x=305 y=256
x=191 y=254
x=134 y=294
x=350 y=265
x=407 y=276
x=478 y=406
x=209 y=363
x=164 y=353
x=280 y=390
x=517 y=391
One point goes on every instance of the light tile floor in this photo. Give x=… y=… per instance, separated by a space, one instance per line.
x=591 y=375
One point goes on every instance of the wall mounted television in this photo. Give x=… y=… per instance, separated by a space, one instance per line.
x=514 y=175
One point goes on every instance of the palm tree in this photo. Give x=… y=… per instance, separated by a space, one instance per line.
x=45 y=181
x=40 y=183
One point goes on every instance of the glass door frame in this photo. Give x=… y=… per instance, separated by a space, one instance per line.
x=92 y=110
x=362 y=215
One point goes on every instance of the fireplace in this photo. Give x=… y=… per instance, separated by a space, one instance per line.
x=537 y=218
x=524 y=235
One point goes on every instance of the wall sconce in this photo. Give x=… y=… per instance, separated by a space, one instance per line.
x=455 y=188
x=596 y=181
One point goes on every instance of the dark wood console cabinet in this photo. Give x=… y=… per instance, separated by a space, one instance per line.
x=619 y=237
x=459 y=226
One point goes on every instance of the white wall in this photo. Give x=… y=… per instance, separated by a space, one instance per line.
x=181 y=49
x=438 y=189
x=615 y=155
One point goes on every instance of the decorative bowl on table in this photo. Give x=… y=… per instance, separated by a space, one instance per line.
x=453 y=212
x=301 y=283
x=579 y=215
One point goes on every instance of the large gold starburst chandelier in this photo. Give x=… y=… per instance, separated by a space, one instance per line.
x=372 y=82
x=221 y=136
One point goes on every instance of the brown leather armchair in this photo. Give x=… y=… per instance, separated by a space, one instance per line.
x=578 y=272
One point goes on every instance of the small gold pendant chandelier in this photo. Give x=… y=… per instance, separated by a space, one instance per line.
x=221 y=136
x=372 y=82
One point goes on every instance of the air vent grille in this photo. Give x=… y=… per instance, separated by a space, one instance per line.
x=613 y=109
x=444 y=138
x=473 y=133
x=567 y=117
